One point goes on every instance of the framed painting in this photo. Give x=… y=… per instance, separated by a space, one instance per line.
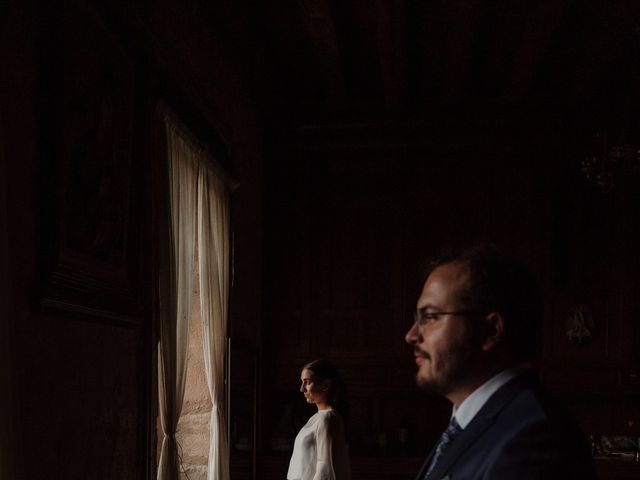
x=91 y=267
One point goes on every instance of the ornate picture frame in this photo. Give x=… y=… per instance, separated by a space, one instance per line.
x=91 y=267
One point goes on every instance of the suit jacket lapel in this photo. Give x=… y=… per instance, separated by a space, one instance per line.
x=483 y=419
x=425 y=465
x=460 y=445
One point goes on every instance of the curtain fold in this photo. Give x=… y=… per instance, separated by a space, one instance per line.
x=213 y=236
x=175 y=290
x=197 y=204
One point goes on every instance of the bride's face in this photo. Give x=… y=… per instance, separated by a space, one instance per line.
x=314 y=391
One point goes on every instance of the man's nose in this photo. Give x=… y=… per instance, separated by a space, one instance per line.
x=413 y=334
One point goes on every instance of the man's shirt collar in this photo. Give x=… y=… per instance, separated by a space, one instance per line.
x=471 y=405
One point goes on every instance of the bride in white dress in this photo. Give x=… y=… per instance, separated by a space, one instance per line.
x=320 y=450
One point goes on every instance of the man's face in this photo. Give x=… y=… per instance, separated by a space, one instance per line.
x=444 y=346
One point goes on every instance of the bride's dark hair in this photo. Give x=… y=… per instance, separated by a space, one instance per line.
x=323 y=369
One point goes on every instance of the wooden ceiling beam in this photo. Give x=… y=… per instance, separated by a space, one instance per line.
x=318 y=21
x=607 y=49
x=391 y=39
x=534 y=40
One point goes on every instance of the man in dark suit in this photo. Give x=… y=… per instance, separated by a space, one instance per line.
x=474 y=336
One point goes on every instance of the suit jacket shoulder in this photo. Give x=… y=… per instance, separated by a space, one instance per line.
x=520 y=433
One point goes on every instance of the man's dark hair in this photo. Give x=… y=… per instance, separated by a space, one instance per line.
x=498 y=283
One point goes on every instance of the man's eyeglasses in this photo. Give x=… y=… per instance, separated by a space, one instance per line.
x=422 y=317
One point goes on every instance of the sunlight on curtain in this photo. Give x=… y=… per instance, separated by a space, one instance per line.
x=199 y=196
x=176 y=283
x=213 y=235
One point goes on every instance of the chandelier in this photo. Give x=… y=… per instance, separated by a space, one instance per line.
x=601 y=166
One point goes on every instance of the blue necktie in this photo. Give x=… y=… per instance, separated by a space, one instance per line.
x=447 y=438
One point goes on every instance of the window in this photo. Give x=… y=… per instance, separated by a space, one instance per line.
x=196 y=221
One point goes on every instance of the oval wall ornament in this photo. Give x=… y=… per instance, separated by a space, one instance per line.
x=580 y=325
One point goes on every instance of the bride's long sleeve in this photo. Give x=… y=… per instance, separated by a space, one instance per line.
x=325 y=433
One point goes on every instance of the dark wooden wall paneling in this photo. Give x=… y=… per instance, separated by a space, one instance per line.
x=353 y=211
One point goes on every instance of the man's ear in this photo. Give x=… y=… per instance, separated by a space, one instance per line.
x=493 y=331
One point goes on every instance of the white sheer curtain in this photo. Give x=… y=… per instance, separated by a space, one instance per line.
x=199 y=194
x=175 y=285
x=213 y=235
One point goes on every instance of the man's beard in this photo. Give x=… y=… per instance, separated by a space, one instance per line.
x=452 y=368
